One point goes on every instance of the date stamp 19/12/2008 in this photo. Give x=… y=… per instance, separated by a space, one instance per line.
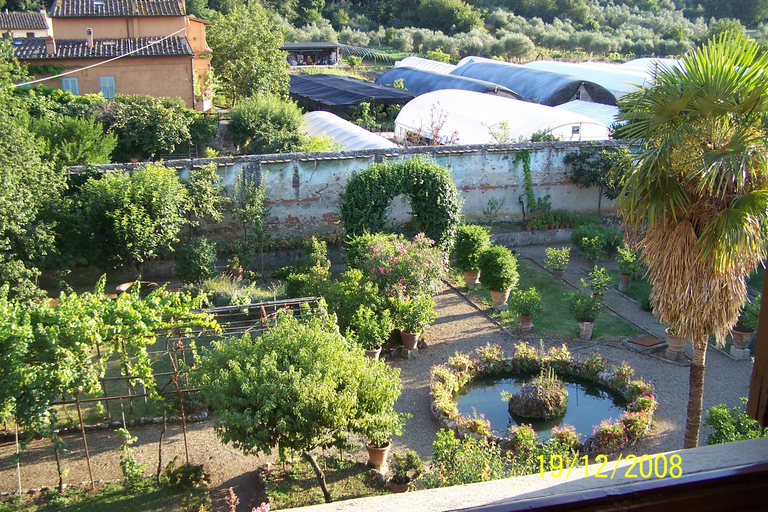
x=644 y=466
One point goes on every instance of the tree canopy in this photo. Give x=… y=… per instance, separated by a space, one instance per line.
x=298 y=387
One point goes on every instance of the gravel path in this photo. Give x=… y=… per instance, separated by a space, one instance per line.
x=460 y=327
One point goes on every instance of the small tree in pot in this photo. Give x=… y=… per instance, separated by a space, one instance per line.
x=585 y=309
x=407 y=467
x=471 y=241
x=413 y=315
x=370 y=330
x=498 y=268
x=746 y=325
x=629 y=264
x=526 y=304
x=557 y=260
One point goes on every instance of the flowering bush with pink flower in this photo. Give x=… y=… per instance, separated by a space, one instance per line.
x=609 y=436
x=399 y=266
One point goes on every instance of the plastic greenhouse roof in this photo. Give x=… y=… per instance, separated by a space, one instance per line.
x=617 y=79
x=421 y=81
x=543 y=87
x=426 y=64
x=467 y=117
x=649 y=64
x=606 y=114
x=349 y=135
x=340 y=94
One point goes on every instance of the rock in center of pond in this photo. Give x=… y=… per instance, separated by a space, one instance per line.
x=545 y=398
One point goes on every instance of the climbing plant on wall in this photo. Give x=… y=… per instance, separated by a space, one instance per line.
x=434 y=199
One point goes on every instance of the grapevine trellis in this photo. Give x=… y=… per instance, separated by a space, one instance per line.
x=180 y=345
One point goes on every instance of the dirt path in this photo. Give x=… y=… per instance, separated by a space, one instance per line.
x=460 y=327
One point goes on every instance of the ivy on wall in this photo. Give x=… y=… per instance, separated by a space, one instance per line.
x=435 y=201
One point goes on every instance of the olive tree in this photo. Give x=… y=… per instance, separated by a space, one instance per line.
x=298 y=387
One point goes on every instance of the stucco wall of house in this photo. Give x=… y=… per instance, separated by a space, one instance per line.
x=117 y=27
x=131 y=76
x=304 y=189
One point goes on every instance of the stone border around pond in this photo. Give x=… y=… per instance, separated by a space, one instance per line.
x=608 y=437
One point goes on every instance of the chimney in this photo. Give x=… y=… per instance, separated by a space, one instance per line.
x=50 y=45
x=89 y=37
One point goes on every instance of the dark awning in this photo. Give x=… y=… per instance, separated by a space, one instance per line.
x=339 y=94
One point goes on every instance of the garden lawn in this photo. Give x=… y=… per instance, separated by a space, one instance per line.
x=554 y=320
x=297 y=486
x=638 y=290
x=112 y=498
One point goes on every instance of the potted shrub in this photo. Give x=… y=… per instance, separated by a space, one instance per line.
x=370 y=330
x=407 y=468
x=471 y=241
x=585 y=309
x=746 y=325
x=413 y=315
x=498 y=273
x=629 y=264
x=599 y=282
x=526 y=304
x=557 y=260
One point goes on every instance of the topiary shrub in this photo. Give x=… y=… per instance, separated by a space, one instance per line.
x=196 y=261
x=435 y=202
x=471 y=240
x=498 y=268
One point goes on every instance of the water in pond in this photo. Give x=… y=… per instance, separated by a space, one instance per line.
x=588 y=404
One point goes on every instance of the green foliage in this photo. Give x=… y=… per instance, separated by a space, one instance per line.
x=438 y=55
x=413 y=314
x=30 y=188
x=525 y=303
x=196 y=261
x=204 y=196
x=370 y=329
x=471 y=240
x=434 y=199
x=599 y=281
x=492 y=208
x=297 y=387
x=465 y=461
x=594 y=240
x=375 y=116
x=730 y=424
x=131 y=217
x=629 y=260
x=498 y=268
x=449 y=16
x=556 y=258
x=185 y=475
x=246 y=53
x=354 y=61
x=397 y=266
x=346 y=295
x=248 y=206
x=133 y=471
x=266 y=124
x=750 y=313
x=583 y=307
x=74 y=141
x=407 y=467
x=226 y=291
x=309 y=275
x=146 y=126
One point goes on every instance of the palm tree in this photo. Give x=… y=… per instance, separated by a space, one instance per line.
x=696 y=192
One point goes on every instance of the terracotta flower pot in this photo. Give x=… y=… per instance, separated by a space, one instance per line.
x=472 y=278
x=526 y=324
x=378 y=455
x=500 y=300
x=410 y=339
x=558 y=275
x=373 y=354
x=675 y=346
x=398 y=488
x=585 y=330
x=741 y=337
x=624 y=280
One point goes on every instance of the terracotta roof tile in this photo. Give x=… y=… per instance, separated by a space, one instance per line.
x=34 y=49
x=107 y=8
x=22 y=21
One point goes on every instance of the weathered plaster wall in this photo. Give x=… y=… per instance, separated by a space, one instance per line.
x=304 y=189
